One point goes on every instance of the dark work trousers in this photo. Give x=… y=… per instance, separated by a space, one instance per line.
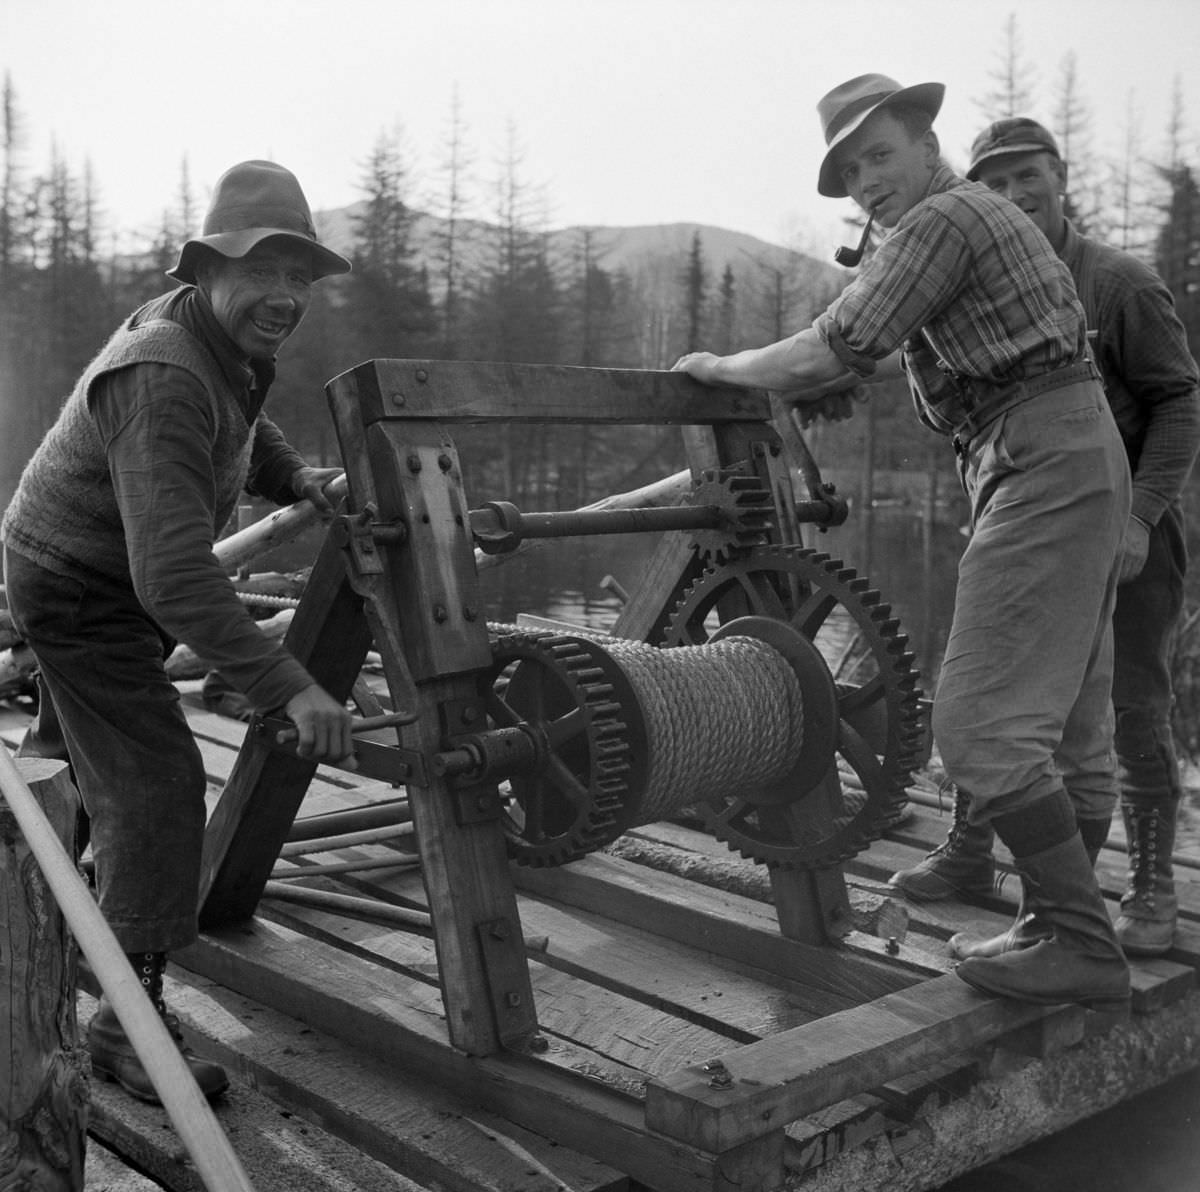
x=132 y=754
x=1146 y=617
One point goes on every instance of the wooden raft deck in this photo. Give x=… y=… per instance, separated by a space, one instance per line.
x=683 y=1042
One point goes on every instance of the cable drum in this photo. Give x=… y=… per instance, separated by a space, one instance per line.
x=723 y=717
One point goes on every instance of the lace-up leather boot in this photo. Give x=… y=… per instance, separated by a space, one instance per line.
x=1149 y=908
x=960 y=867
x=113 y=1055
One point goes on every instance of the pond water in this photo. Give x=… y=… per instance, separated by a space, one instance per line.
x=910 y=560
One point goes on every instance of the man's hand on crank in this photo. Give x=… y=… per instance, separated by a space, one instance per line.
x=312 y=482
x=322 y=727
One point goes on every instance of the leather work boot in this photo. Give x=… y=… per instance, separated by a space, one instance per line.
x=113 y=1055
x=1028 y=927
x=1082 y=961
x=961 y=866
x=1149 y=908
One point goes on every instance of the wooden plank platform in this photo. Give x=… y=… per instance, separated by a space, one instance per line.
x=683 y=1043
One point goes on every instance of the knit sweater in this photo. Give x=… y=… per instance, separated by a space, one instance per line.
x=64 y=515
x=150 y=522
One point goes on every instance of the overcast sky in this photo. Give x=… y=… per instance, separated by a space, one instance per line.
x=626 y=111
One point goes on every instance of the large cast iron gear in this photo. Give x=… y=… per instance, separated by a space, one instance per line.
x=862 y=679
x=747 y=510
x=575 y=702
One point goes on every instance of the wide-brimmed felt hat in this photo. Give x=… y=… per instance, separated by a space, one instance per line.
x=844 y=109
x=250 y=202
x=1015 y=134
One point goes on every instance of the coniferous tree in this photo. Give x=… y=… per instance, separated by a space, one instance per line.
x=727 y=309
x=15 y=276
x=516 y=312
x=388 y=305
x=1129 y=229
x=1013 y=79
x=451 y=236
x=1177 y=255
x=695 y=294
x=1072 y=128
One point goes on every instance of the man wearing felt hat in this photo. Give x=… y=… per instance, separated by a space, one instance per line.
x=985 y=318
x=1151 y=382
x=108 y=562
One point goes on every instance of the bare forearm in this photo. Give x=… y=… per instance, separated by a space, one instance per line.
x=799 y=363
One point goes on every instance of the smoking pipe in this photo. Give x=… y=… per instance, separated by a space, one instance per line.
x=850 y=258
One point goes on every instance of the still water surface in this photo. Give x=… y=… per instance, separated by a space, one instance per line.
x=912 y=563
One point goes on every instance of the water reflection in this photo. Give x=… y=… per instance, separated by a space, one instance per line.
x=908 y=558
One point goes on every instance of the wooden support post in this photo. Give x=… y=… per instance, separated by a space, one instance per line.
x=425 y=602
x=754 y=1166
x=43 y=1089
x=254 y=814
x=812 y=906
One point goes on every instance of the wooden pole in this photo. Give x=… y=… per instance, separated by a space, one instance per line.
x=285 y=524
x=191 y=1115
x=277 y=528
x=43 y=1083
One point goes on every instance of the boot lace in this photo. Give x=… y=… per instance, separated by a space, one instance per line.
x=149 y=967
x=1143 y=854
x=958 y=825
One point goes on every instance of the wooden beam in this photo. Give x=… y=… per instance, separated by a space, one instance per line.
x=826 y=979
x=791 y=1074
x=470 y=391
x=399 y=1022
x=250 y=823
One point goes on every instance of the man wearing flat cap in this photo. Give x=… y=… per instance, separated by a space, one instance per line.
x=1151 y=382
x=108 y=562
x=993 y=340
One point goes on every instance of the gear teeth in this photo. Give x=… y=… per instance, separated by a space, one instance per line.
x=748 y=509
x=608 y=755
x=889 y=647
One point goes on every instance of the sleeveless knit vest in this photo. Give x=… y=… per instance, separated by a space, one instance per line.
x=64 y=515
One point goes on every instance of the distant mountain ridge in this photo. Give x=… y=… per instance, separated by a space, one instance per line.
x=646 y=250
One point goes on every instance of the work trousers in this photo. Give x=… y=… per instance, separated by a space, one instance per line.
x=132 y=754
x=1144 y=624
x=1023 y=706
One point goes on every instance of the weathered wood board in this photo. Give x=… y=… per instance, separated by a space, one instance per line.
x=872 y=1061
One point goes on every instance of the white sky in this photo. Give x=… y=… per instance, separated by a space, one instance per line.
x=627 y=111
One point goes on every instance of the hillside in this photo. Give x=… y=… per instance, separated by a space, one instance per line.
x=645 y=252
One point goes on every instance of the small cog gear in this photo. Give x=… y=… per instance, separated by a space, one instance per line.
x=746 y=513
x=574 y=701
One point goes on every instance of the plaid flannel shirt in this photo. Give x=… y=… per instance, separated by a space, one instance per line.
x=971 y=276
x=1150 y=377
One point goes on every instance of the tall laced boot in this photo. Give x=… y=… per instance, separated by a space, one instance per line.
x=961 y=866
x=1029 y=927
x=113 y=1055
x=1149 y=908
x=1081 y=962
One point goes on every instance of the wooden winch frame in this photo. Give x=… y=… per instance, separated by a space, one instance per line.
x=398 y=572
